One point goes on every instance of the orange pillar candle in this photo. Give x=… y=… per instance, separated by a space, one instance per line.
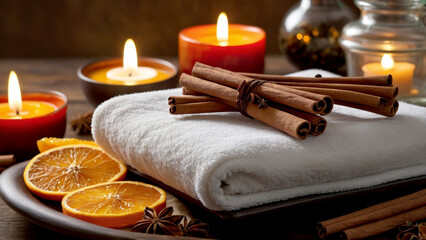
x=27 y=118
x=235 y=47
x=402 y=72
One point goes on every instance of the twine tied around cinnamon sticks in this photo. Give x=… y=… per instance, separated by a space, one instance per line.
x=245 y=96
x=290 y=104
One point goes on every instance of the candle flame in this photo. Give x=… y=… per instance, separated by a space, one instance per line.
x=222 y=29
x=130 y=56
x=14 y=93
x=387 y=62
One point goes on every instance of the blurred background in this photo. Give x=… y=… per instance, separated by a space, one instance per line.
x=99 y=28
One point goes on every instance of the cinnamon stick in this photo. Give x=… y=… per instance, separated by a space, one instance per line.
x=348 y=96
x=388 y=111
x=199 y=98
x=314 y=96
x=382 y=91
x=318 y=124
x=384 y=225
x=385 y=80
x=373 y=213
x=7 y=160
x=206 y=87
x=283 y=121
x=200 y=107
x=188 y=99
x=230 y=79
x=186 y=91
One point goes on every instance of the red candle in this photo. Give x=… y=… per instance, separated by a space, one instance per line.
x=240 y=48
x=26 y=119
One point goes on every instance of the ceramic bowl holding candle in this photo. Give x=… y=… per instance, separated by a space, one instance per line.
x=40 y=114
x=235 y=47
x=102 y=80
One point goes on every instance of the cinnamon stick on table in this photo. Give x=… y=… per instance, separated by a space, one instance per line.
x=384 y=225
x=285 y=122
x=7 y=160
x=366 y=220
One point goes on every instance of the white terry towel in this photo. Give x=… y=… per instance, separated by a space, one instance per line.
x=229 y=161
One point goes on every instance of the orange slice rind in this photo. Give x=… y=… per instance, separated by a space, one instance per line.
x=114 y=204
x=47 y=143
x=54 y=173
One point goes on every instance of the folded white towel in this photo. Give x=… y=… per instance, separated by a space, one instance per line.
x=229 y=161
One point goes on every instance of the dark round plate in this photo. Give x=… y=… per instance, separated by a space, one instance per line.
x=48 y=214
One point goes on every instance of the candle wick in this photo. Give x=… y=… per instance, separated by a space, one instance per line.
x=130 y=74
x=17 y=112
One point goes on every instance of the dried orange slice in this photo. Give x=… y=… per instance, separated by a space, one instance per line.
x=52 y=142
x=114 y=204
x=54 y=173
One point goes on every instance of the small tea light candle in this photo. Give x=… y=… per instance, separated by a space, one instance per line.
x=26 y=118
x=128 y=72
x=104 y=79
x=402 y=72
x=235 y=47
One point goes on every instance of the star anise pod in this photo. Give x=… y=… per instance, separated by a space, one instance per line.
x=82 y=123
x=194 y=228
x=163 y=223
x=412 y=231
x=262 y=103
x=422 y=230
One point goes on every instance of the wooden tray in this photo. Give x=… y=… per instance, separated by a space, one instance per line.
x=350 y=199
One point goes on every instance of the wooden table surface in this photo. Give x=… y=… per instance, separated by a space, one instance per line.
x=61 y=75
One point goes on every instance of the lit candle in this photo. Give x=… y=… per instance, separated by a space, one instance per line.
x=129 y=73
x=130 y=70
x=18 y=109
x=402 y=72
x=104 y=79
x=234 y=47
x=26 y=118
x=222 y=32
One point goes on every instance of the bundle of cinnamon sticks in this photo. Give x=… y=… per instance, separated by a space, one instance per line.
x=374 y=94
x=291 y=104
x=377 y=218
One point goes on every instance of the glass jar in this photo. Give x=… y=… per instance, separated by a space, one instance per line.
x=389 y=38
x=309 y=34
